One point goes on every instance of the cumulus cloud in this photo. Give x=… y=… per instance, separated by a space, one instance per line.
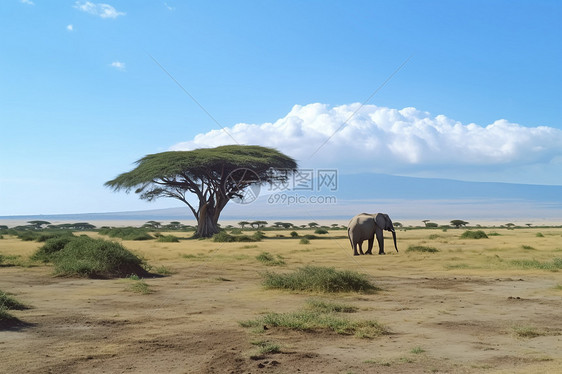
x=102 y=10
x=380 y=139
x=118 y=65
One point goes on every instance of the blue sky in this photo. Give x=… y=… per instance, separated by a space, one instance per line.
x=82 y=98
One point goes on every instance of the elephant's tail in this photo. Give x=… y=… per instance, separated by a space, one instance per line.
x=349 y=237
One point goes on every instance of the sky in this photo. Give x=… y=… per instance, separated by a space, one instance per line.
x=465 y=90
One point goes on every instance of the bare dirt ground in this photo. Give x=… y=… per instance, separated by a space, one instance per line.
x=466 y=309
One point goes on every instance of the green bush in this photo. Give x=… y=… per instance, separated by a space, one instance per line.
x=236 y=231
x=304 y=241
x=27 y=236
x=8 y=302
x=127 y=233
x=168 y=239
x=478 y=234
x=421 y=248
x=294 y=234
x=224 y=237
x=51 y=247
x=92 y=258
x=320 y=279
x=321 y=231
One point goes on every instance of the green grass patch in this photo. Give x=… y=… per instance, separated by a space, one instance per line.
x=527 y=247
x=304 y=241
x=267 y=347
x=140 y=286
x=127 y=233
x=478 y=234
x=539 y=235
x=554 y=265
x=330 y=307
x=269 y=259
x=10 y=303
x=417 y=350
x=457 y=266
x=494 y=234
x=310 y=321
x=434 y=236
x=320 y=279
x=93 y=258
x=421 y=248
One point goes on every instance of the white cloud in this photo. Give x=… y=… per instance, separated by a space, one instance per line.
x=170 y=8
x=70 y=28
x=118 y=65
x=407 y=141
x=28 y=2
x=102 y=10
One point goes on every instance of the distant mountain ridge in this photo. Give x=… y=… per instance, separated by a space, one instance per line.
x=402 y=197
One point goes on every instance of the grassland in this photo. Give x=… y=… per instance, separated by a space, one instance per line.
x=466 y=305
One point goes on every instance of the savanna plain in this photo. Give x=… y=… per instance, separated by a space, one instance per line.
x=443 y=304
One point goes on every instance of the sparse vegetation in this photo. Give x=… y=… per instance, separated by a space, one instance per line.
x=224 y=237
x=421 y=248
x=330 y=307
x=554 y=265
x=314 y=321
x=269 y=259
x=168 y=239
x=321 y=231
x=320 y=279
x=304 y=241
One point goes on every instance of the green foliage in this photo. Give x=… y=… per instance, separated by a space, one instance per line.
x=478 y=234
x=294 y=234
x=269 y=259
x=539 y=235
x=320 y=279
x=421 y=248
x=329 y=307
x=224 y=237
x=127 y=233
x=140 y=286
x=168 y=239
x=87 y=257
x=236 y=231
x=417 y=350
x=321 y=231
x=8 y=302
x=51 y=247
x=258 y=235
x=304 y=241
x=494 y=234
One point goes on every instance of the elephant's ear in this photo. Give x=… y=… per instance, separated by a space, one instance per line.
x=380 y=220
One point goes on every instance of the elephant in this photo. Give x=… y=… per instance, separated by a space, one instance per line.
x=364 y=226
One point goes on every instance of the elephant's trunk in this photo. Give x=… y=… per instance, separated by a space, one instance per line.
x=394 y=238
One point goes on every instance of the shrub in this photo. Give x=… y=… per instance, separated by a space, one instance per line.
x=310 y=236
x=93 y=258
x=51 y=247
x=224 y=237
x=127 y=233
x=539 y=235
x=294 y=234
x=8 y=302
x=421 y=248
x=320 y=279
x=269 y=259
x=478 y=234
x=168 y=239
x=304 y=241
x=27 y=236
x=320 y=231
x=236 y=231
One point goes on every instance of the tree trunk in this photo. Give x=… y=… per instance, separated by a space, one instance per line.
x=207 y=225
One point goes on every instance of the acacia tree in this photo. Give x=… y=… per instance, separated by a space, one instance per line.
x=213 y=175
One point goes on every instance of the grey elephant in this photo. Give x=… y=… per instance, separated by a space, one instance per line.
x=364 y=226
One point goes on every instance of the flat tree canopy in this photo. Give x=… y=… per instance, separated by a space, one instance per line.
x=214 y=175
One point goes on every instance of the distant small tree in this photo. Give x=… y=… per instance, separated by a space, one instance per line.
x=38 y=224
x=312 y=224
x=510 y=225
x=431 y=224
x=287 y=225
x=243 y=223
x=458 y=223
x=425 y=221
x=397 y=224
x=152 y=224
x=258 y=224
x=529 y=224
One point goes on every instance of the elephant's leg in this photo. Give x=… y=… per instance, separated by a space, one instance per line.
x=380 y=239
x=360 y=247
x=355 y=253
x=370 y=249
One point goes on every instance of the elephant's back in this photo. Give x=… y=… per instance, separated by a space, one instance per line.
x=360 y=219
